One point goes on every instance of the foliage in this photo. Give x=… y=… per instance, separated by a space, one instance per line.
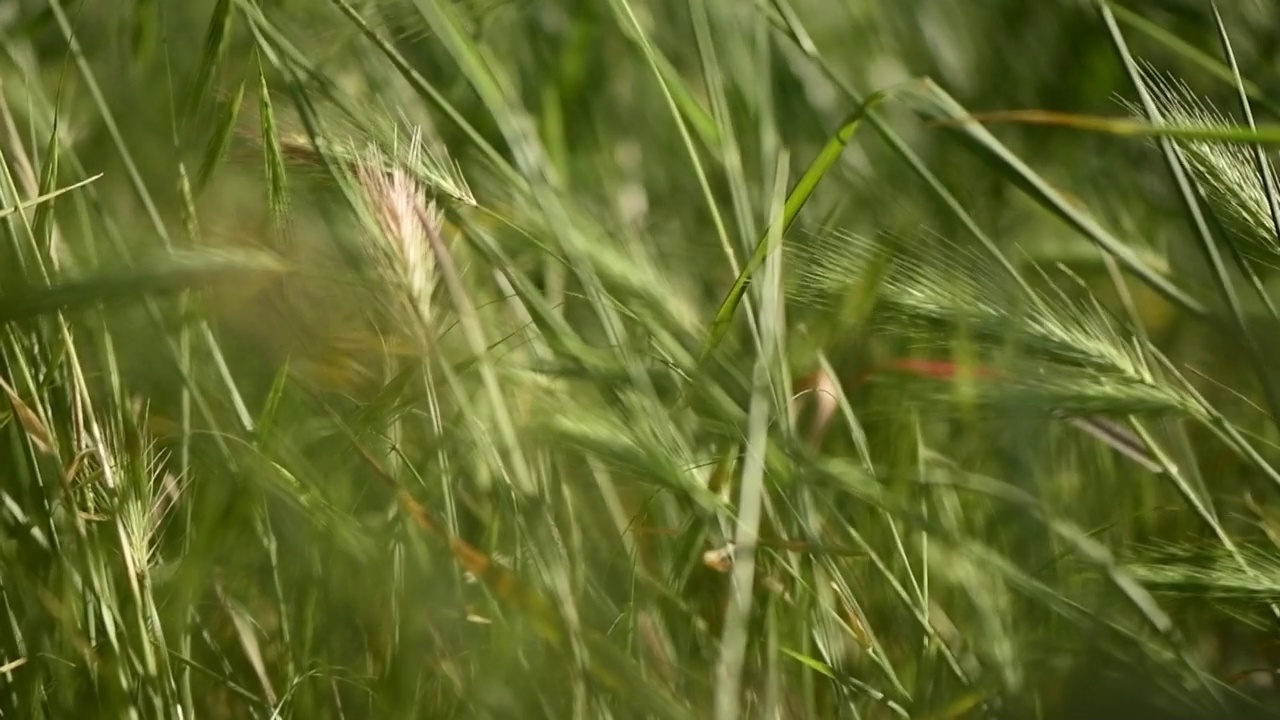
x=638 y=358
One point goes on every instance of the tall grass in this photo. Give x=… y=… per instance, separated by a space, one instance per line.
x=637 y=358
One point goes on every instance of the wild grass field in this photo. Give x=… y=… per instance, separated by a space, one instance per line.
x=639 y=359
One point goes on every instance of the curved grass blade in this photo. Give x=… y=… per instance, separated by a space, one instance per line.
x=265 y=424
x=42 y=225
x=796 y=200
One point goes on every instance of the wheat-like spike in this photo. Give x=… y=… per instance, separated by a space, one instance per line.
x=934 y=281
x=143 y=515
x=391 y=145
x=427 y=163
x=390 y=199
x=145 y=498
x=1079 y=361
x=1207 y=571
x=1227 y=172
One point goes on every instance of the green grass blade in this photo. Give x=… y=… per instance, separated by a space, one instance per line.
x=1129 y=127
x=217 y=40
x=265 y=424
x=221 y=138
x=177 y=272
x=796 y=199
x=46 y=197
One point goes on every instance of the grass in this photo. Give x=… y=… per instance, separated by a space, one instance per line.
x=640 y=358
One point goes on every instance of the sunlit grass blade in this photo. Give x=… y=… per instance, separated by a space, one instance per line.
x=271 y=405
x=42 y=225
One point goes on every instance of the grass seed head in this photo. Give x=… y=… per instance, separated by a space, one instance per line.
x=392 y=197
